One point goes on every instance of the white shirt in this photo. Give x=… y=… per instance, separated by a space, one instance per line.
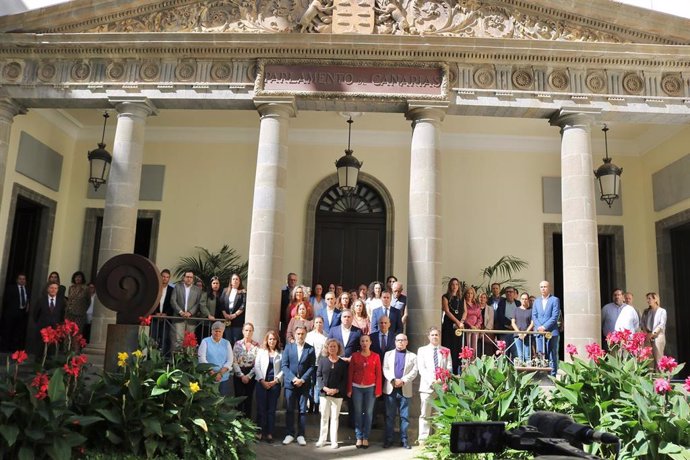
x=544 y=301
x=187 y=289
x=628 y=319
x=231 y=298
x=346 y=335
x=330 y=313
x=317 y=340
x=89 y=312
x=165 y=294
x=299 y=351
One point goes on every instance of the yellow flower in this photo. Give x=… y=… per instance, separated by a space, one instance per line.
x=138 y=354
x=122 y=356
x=122 y=363
x=194 y=387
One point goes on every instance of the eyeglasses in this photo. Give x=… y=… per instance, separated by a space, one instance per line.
x=401 y=340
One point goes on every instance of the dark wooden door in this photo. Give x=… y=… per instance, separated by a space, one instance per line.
x=350 y=238
x=24 y=245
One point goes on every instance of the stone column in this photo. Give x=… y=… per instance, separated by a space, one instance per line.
x=582 y=309
x=267 y=238
x=424 y=246
x=8 y=110
x=121 y=200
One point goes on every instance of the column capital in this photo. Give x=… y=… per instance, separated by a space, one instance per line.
x=135 y=105
x=573 y=116
x=285 y=106
x=432 y=111
x=9 y=108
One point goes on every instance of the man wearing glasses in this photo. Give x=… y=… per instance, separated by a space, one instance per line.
x=399 y=371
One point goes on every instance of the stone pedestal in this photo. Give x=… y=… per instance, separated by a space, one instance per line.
x=582 y=309
x=424 y=256
x=121 y=201
x=267 y=240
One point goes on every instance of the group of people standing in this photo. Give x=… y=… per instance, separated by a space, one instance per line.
x=620 y=315
x=53 y=305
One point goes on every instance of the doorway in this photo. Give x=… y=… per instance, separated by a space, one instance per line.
x=350 y=237
x=24 y=240
x=680 y=253
x=145 y=238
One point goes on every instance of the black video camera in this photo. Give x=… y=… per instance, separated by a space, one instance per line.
x=548 y=434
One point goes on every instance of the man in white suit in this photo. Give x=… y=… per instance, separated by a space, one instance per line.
x=429 y=358
x=399 y=371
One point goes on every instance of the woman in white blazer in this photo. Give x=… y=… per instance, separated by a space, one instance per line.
x=268 y=374
x=654 y=324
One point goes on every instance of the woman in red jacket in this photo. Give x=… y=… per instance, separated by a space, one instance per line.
x=364 y=386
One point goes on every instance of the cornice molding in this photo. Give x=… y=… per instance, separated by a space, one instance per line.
x=584 y=20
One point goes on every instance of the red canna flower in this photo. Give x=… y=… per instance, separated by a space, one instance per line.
x=50 y=335
x=75 y=365
x=442 y=374
x=20 y=356
x=81 y=341
x=662 y=386
x=667 y=364
x=501 y=346
x=145 y=320
x=70 y=328
x=687 y=384
x=595 y=352
x=644 y=354
x=466 y=353
x=189 y=340
x=445 y=352
x=571 y=349
x=41 y=382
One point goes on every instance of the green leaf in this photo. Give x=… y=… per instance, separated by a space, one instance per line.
x=59 y=450
x=152 y=425
x=35 y=435
x=25 y=453
x=162 y=380
x=10 y=433
x=158 y=391
x=84 y=420
x=111 y=416
x=7 y=408
x=56 y=386
x=202 y=423
x=151 y=447
x=451 y=412
x=112 y=437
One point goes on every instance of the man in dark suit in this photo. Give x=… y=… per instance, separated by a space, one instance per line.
x=159 y=328
x=48 y=310
x=298 y=365
x=383 y=340
x=285 y=294
x=399 y=301
x=15 y=315
x=330 y=315
x=347 y=334
x=502 y=319
x=392 y=313
x=185 y=301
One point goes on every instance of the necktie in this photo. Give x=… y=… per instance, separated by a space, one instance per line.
x=22 y=296
x=435 y=357
x=52 y=304
x=383 y=342
x=385 y=311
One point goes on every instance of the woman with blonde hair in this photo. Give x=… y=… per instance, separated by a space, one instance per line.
x=332 y=376
x=654 y=324
x=297 y=298
x=267 y=370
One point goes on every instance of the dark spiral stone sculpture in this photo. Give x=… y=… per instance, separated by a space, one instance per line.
x=129 y=284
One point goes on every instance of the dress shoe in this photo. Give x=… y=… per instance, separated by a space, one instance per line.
x=269 y=440
x=386 y=444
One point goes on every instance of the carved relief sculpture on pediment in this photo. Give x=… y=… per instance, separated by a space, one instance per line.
x=459 y=18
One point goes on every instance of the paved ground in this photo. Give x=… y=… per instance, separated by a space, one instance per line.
x=347 y=449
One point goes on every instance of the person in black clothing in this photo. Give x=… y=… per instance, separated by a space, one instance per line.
x=15 y=314
x=453 y=309
x=332 y=375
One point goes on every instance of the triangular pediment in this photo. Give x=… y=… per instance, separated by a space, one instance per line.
x=558 y=20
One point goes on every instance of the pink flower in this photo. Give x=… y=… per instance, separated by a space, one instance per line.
x=19 y=356
x=466 y=353
x=571 y=349
x=445 y=352
x=442 y=374
x=501 y=345
x=662 y=386
x=49 y=335
x=595 y=352
x=687 y=384
x=667 y=364
x=644 y=354
x=618 y=337
x=445 y=387
x=70 y=328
